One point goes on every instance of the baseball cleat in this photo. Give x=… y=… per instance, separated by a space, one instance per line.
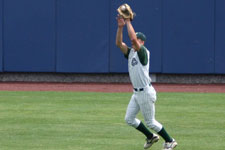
x=170 y=145
x=150 y=142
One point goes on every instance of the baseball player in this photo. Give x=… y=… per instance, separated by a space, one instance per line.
x=144 y=94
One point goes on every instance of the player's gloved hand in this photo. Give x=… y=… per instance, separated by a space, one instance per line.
x=126 y=12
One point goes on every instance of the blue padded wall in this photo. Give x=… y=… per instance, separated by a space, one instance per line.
x=83 y=36
x=183 y=36
x=220 y=37
x=148 y=21
x=1 y=35
x=188 y=36
x=29 y=43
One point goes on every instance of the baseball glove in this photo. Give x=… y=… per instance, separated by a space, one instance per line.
x=126 y=12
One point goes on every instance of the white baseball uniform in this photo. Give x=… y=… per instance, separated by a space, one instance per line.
x=144 y=94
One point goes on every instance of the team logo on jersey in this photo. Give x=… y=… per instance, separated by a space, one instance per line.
x=134 y=62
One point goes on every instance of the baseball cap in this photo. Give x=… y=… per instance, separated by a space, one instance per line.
x=141 y=36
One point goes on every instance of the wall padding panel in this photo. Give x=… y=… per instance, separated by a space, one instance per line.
x=83 y=36
x=29 y=35
x=188 y=36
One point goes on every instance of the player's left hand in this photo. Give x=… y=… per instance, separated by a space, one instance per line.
x=120 y=21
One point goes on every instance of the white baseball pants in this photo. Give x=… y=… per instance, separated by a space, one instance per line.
x=143 y=101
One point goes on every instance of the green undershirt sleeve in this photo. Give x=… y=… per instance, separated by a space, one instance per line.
x=128 y=51
x=142 y=54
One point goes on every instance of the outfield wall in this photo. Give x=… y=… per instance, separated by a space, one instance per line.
x=78 y=36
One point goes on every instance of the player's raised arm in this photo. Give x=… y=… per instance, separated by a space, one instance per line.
x=119 y=35
x=132 y=35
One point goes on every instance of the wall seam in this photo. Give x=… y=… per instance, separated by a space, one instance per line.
x=109 y=40
x=214 y=35
x=3 y=33
x=56 y=33
x=162 y=36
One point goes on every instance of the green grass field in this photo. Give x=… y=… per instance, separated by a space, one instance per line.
x=95 y=121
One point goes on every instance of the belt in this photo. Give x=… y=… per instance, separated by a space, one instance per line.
x=140 y=89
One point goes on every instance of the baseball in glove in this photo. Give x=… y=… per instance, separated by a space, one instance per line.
x=126 y=12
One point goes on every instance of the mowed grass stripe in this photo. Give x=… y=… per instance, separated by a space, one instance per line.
x=93 y=121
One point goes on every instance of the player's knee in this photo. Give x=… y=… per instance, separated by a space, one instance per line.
x=134 y=122
x=130 y=121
